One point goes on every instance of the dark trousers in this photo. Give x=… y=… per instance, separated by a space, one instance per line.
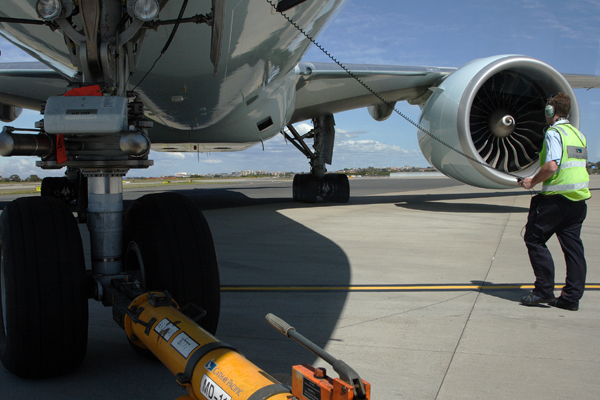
x=555 y=214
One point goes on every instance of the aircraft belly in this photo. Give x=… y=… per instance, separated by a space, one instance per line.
x=253 y=123
x=259 y=49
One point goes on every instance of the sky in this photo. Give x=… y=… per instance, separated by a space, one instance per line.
x=564 y=34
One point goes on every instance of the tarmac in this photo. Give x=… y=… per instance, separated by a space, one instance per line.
x=413 y=283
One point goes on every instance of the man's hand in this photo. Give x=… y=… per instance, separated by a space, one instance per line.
x=547 y=170
x=526 y=183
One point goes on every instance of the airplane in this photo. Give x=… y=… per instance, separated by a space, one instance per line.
x=116 y=78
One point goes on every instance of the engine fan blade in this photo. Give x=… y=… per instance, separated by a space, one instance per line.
x=507 y=121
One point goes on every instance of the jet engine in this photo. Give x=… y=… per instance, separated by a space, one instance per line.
x=491 y=110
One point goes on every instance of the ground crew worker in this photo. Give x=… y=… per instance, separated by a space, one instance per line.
x=559 y=208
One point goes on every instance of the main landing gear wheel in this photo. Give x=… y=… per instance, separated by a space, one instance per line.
x=305 y=188
x=168 y=239
x=333 y=187
x=43 y=329
x=336 y=188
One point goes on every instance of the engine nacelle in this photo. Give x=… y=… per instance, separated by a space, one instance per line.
x=491 y=109
x=9 y=113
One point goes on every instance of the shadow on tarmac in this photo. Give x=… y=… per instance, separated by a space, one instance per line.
x=440 y=203
x=260 y=246
x=498 y=290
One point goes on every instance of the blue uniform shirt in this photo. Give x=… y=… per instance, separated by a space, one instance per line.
x=554 y=143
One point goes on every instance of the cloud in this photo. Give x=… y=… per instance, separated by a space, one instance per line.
x=211 y=161
x=341 y=133
x=302 y=128
x=24 y=167
x=176 y=156
x=361 y=153
x=369 y=146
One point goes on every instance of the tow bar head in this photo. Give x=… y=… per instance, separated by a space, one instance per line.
x=309 y=383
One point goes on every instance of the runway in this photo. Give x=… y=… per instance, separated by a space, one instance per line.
x=415 y=283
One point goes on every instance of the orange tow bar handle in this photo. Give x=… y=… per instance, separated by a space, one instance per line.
x=208 y=368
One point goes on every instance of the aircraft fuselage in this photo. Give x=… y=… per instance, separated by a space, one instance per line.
x=247 y=98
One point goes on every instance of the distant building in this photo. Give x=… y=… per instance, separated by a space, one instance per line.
x=182 y=175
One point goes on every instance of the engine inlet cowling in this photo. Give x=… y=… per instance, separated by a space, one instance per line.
x=492 y=110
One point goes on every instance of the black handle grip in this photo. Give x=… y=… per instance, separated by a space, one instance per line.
x=279 y=324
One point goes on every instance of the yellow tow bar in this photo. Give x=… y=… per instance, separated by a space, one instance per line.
x=212 y=370
x=206 y=367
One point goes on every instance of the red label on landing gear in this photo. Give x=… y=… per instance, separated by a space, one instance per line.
x=61 y=151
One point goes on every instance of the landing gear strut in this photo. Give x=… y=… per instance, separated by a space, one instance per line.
x=307 y=187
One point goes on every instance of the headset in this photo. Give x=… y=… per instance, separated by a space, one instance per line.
x=549 y=109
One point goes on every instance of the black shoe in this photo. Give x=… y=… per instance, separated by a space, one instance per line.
x=533 y=299
x=565 y=305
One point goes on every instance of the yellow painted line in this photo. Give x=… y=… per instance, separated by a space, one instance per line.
x=383 y=288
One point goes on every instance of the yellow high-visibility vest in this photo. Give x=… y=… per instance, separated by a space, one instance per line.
x=571 y=179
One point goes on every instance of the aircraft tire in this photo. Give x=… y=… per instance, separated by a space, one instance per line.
x=338 y=188
x=307 y=188
x=44 y=313
x=296 y=187
x=342 y=188
x=177 y=252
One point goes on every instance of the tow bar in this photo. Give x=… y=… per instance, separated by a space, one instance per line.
x=213 y=370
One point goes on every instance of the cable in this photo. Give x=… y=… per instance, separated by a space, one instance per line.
x=374 y=93
x=166 y=46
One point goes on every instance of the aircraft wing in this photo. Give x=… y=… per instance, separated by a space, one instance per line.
x=325 y=88
x=29 y=84
x=583 y=81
